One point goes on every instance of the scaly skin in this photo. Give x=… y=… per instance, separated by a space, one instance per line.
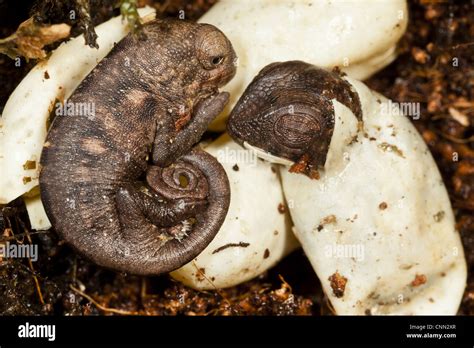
x=151 y=97
x=287 y=111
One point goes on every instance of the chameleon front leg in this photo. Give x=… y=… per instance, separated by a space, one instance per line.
x=133 y=205
x=170 y=145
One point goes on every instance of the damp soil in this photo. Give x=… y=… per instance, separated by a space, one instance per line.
x=435 y=67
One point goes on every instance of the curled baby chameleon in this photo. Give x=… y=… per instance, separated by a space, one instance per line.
x=374 y=173
x=287 y=112
x=152 y=100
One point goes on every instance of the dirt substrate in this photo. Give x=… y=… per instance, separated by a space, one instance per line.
x=62 y=283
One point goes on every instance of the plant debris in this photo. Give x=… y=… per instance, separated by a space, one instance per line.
x=420 y=279
x=391 y=148
x=338 y=284
x=231 y=245
x=30 y=38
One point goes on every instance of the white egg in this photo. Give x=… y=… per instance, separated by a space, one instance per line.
x=377 y=226
x=255 y=235
x=358 y=37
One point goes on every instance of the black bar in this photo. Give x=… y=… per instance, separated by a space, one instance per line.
x=257 y=330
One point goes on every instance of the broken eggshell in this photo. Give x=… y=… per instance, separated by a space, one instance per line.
x=377 y=226
x=25 y=119
x=256 y=233
x=36 y=213
x=381 y=236
x=358 y=38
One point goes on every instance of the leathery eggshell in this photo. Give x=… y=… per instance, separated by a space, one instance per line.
x=377 y=226
x=358 y=37
x=256 y=233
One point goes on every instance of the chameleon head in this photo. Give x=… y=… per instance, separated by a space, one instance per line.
x=286 y=114
x=216 y=57
x=190 y=61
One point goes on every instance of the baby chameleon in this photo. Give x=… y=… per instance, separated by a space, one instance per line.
x=150 y=97
x=378 y=191
x=286 y=114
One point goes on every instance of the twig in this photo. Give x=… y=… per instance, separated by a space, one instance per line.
x=35 y=278
x=456 y=140
x=285 y=283
x=163 y=7
x=201 y=273
x=462 y=45
x=98 y=305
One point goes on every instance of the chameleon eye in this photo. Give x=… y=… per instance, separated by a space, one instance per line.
x=217 y=60
x=212 y=47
